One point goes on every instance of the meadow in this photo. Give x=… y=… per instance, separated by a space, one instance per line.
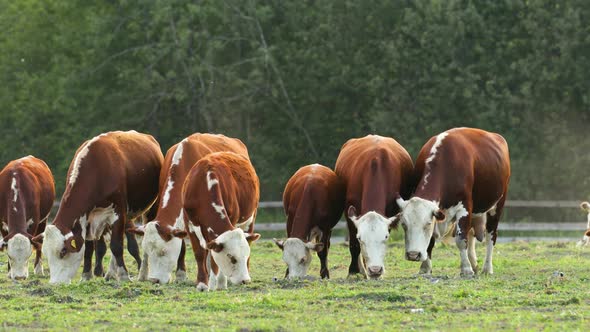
x=536 y=286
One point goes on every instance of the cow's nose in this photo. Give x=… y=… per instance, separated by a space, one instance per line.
x=20 y=278
x=375 y=270
x=155 y=280
x=413 y=255
x=246 y=281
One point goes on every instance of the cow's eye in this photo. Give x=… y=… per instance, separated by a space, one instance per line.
x=302 y=261
x=232 y=259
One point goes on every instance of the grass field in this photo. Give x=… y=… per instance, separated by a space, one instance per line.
x=523 y=294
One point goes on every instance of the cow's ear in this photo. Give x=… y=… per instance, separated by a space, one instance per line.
x=217 y=247
x=136 y=230
x=279 y=243
x=251 y=237
x=588 y=232
x=179 y=233
x=317 y=247
x=3 y=245
x=401 y=203
x=439 y=215
x=212 y=233
x=394 y=221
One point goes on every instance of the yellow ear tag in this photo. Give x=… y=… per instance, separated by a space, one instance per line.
x=73 y=244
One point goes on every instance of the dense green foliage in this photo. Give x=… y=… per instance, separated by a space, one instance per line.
x=523 y=295
x=295 y=79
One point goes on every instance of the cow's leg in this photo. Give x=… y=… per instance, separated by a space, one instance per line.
x=38 y=263
x=201 y=258
x=493 y=218
x=426 y=266
x=355 y=251
x=101 y=251
x=180 y=264
x=471 y=250
x=117 y=241
x=88 y=253
x=463 y=227
x=323 y=255
x=133 y=248
x=217 y=280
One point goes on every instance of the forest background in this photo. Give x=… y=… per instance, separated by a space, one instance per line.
x=295 y=80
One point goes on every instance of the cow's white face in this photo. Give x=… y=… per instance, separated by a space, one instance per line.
x=19 y=250
x=297 y=255
x=162 y=255
x=418 y=218
x=231 y=251
x=61 y=270
x=372 y=234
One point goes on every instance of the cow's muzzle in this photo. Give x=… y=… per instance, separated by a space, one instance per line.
x=413 y=255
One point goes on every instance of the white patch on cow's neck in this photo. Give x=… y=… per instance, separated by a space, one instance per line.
x=432 y=155
x=175 y=161
x=79 y=157
x=219 y=209
x=100 y=219
x=179 y=223
x=211 y=181
x=246 y=224
x=14 y=190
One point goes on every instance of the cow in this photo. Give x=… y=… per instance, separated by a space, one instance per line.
x=220 y=198
x=313 y=201
x=585 y=206
x=162 y=245
x=26 y=195
x=375 y=170
x=463 y=181
x=113 y=179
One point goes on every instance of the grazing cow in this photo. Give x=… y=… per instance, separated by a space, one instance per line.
x=221 y=195
x=585 y=206
x=313 y=201
x=162 y=243
x=464 y=175
x=112 y=179
x=375 y=171
x=27 y=195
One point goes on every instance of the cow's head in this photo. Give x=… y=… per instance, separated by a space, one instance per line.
x=64 y=253
x=372 y=234
x=19 y=248
x=297 y=255
x=162 y=246
x=418 y=218
x=231 y=251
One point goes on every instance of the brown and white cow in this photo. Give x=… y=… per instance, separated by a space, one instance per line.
x=375 y=170
x=585 y=206
x=313 y=201
x=112 y=179
x=27 y=192
x=162 y=243
x=221 y=196
x=464 y=175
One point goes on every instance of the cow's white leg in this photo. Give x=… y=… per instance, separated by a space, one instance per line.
x=180 y=275
x=143 y=270
x=466 y=269
x=221 y=281
x=122 y=274
x=487 y=266
x=39 y=268
x=112 y=270
x=471 y=250
x=212 y=280
x=426 y=267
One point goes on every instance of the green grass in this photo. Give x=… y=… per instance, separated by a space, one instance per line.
x=521 y=295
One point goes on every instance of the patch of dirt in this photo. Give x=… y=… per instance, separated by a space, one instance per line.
x=42 y=292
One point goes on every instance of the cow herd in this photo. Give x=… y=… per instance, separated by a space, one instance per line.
x=206 y=189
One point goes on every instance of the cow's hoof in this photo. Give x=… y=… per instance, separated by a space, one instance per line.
x=180 y=276
x=488 y=271
x=123 y=275
x=467 y=273
x=86 y=276
x=201 y=287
